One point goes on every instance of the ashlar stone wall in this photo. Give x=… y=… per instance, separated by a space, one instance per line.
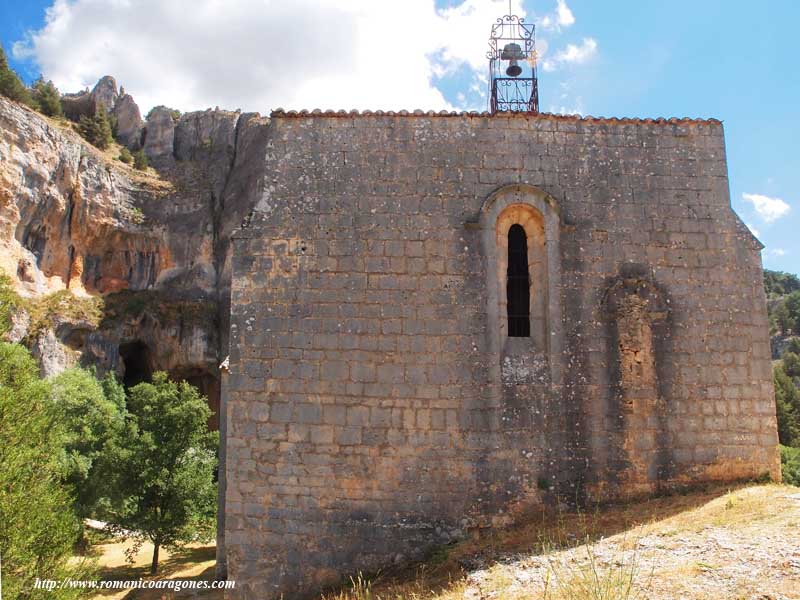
x=376 y=404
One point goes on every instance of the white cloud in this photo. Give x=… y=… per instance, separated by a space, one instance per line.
x=777 y=252
x=572 y=54
x=261 y=54
x=769 y=209
x=565 y=16
x=562 y=17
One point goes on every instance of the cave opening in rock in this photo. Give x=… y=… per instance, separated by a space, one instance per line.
x=137 y=362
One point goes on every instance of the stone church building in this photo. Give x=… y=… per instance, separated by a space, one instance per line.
x=440 y=320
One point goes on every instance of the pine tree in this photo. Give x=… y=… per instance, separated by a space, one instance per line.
x=97 y=129
x=48 y=98
x=10 y=84
x=140 y=160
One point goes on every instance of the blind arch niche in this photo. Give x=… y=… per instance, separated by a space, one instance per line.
x=505 y=215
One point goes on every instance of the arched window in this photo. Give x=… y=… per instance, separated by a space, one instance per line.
x=521 y=226
x=518 y=284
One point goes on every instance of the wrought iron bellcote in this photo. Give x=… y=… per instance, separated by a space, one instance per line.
x=513 y=85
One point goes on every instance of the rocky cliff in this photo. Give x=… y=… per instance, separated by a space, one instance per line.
x=152 y=249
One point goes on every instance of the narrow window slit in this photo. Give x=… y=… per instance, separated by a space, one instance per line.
x=518 y=287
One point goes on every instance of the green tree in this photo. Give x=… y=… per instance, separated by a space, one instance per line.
x=10 y=84
x=47 y=98
x=780 y=318
x=787 y=408
x=164 y=467
x=778 y=283
x=790 y=465
x=97 y=129
x=140 y=160
x=791 y=364
x=92 y=415
x=793 y=346
x=37 y=523
x=792 y=302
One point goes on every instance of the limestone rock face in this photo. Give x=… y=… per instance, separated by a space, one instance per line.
x=67 y=219
x=53 y=356
x=159 y=135
x=105 y=94
x=156 y=248
x=20 y=321
x=129 y=122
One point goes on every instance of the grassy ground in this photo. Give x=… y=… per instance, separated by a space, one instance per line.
x=739 y=544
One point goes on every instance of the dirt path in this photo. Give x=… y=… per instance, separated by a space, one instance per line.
x=194 y=563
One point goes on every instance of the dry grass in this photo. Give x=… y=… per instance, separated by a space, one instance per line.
x=719 y=543
x=738 y=543
x=196 y=562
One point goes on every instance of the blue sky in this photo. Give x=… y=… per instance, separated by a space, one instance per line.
x=732 y=60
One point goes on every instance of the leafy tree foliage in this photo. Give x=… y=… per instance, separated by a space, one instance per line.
x=97 y=129
x=47 y=98
x=37 y=524
x=778 y=283
x=787 y=407
x=10 y=84
x=9 y=301
x=164 y=467
x=92 y=414
x=791 y=364
x=790 y=462
x=781 y=321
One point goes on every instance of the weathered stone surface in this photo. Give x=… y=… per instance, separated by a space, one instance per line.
x=72 y=220
x=159 y=136
x=105 y=94
x=129 y=122
x=376 y=404
x=20 y=321
x=53 y=356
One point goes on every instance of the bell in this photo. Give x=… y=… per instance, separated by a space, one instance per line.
x=513 y=70
x=513 y=54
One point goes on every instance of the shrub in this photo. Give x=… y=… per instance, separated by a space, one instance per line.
x=125 y=156
x=97 y=129
x=137 y=216
x=47 y=98
x=140 y=160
